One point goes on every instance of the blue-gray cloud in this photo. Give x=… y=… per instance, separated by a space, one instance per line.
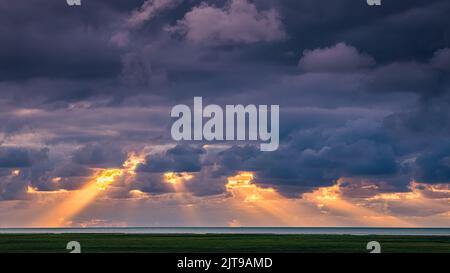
x=181 y=158
x=93 y=84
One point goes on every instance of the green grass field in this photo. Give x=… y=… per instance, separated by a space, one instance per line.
x=220 y=243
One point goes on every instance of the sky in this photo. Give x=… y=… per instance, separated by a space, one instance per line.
x=86 y=93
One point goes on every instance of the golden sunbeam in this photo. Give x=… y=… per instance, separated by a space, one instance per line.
x=329 y=198
x=177 y=180
x=297 y=211
x=265 y=200
x=80 y=199
x=70 y=207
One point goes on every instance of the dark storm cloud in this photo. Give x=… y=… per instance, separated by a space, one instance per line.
x=422 y=134
x=57 y=41
x=43 y=172
x=317 y=157
x=152 y=183
x=419 y=127
x=181 y=158
x=13 y=189
x=11 y=157
x=29 y=162
x=14 y=158
x=349 y=72
x=99 y=155
x=388 y=33
x=206 y=183
x=441 y=59
x=408 y=77
x=75 y=43
x=434 y=166
x=363 y=91
x=202 y=183
x=67 y=170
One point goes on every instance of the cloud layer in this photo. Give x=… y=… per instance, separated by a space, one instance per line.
x=364 y=106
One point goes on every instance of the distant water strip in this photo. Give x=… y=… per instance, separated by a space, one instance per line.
x=234 y=230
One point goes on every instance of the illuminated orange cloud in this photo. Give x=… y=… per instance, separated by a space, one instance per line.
x=106 y=177
x=177 y=178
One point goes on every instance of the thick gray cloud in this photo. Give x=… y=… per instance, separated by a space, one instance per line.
x=434 y=166
x=178 y=159
x=14 y=158
x=11 y=157
x=99 y=155
x=318 y=157
x=30 y=164
x=152 y=183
